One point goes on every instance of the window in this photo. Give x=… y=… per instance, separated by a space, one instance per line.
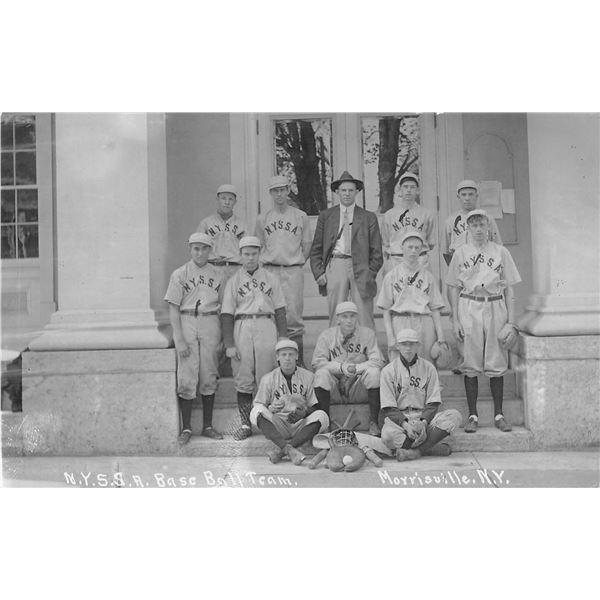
x=19 y=190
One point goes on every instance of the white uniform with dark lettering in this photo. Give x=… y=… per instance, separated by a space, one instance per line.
x=197 y=290
x=255 y=296
x=282 y=235
x=411 y=389
x=226 y=236
x=333 y=349
x=273 y=401
x=482 y=274
x=410 y=295
x=456 y=232
x=400 y=219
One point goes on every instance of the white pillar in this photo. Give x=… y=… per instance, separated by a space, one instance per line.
x=111 y=233
x=564 y=174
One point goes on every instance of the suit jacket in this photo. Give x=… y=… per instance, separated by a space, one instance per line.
x=367 y=256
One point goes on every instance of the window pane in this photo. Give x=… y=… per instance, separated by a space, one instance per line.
x=8 y=206
x=25 y=165
x=27 y=206
x=390 y=148
x=7 y=133
x=27 y=241
x=8 y=176
x=25 y=131
x=303 y=151
x=8 y=241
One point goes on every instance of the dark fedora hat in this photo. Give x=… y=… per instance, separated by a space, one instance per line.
x=343 y=179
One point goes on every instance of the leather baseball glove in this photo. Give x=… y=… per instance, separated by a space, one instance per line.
x=508 y=336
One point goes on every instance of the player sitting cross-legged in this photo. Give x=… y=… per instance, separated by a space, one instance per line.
x=286 y=408
x=410 y=421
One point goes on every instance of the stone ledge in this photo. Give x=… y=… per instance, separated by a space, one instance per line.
x=568 y=347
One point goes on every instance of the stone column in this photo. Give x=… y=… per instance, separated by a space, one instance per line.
x=558 y=356
x=111 y=226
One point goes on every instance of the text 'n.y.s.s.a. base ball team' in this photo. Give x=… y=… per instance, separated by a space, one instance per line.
x=241 y=295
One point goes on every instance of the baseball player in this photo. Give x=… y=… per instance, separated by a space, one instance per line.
x=284 y=232
x=410 y=297
x=348 y=360
x=410 y=419
x=455 y=227
x=252 y=318
x=226 y=230
x=194 y=296
x=407 y=215
x=480 y=278
x=285 y=407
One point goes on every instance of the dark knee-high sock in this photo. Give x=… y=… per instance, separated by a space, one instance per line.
x=245 y=406
x=208 y=403
x=434 y=435
x=374 y=404
x=497 y=387
x=270 y=431
x=324 y=398
x=185 y=406
x=471 y=388
x=307 y=432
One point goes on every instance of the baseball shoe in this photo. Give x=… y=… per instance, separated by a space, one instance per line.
x=294 y=455
x=374 y=429
x=275 y=454
x=502 y=424
x=211 y=432
x=471 y=426
x=402 y=454
x=441 y=449
x=245 y=431
x=184 y=437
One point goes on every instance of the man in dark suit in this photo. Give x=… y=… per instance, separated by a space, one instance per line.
x=346 y=252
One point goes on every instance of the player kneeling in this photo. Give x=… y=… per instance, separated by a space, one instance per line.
x=285 y=408
x=410 y=400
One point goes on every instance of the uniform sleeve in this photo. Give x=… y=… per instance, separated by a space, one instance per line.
x=453 y=271
x=495 y=232
x=385 y=233
x=510 y=272
x=386 y=391
x=278 y=297
x=311 y=398
x=202 y=227
x=320 y=357
x=228 y=304
x=259 y=230
x=174 y=293
x=385 y=300
x=436 y=302
x=447 y=236
x=374 y=356
x=434 y=392
x=263 y=395
x=222 y=285
x=306 y=235
x=429 y=227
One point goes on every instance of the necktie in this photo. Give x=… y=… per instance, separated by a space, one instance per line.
x=347 y=240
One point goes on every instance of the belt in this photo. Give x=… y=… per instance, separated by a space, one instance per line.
x=192 y=311
x=482 y=298
x=254 y=316
x=224 y=263
x=407 y=314
x=340 y=256
x=284 y=266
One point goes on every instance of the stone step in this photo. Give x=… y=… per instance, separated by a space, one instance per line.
x=487 y=439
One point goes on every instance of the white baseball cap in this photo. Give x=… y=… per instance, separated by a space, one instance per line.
x=227 y=187
x=344 y=307
x=407 y=335
x=411 y=234
x=478 y=212
x=467 y=183
x=250 y=240
x=396 y=248
x=281 y=344
x=201 y=238
x=409 y=176
x=278 y=181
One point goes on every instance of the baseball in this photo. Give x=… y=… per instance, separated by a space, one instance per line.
x=347 y=460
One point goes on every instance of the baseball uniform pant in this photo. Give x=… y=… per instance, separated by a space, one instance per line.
x=202 y=335
x=292 y=284
x=481 y=322
x=285 y=429
x=355 y=389
x=393 y=436
x=423 y=325
x=341 y=286
x=255 y=341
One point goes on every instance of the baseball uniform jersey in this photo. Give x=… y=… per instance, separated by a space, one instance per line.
x=226 y=235
x=400 y=219
x=456 y=232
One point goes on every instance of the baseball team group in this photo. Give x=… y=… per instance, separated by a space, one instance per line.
x=241 y=296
